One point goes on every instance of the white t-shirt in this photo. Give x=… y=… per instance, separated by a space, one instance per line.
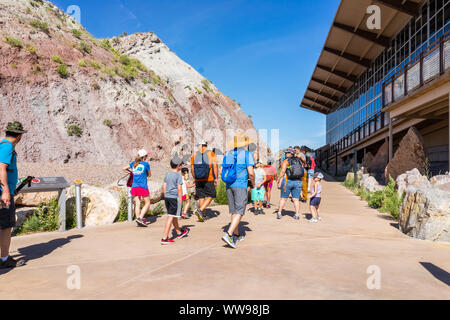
x=185 y=191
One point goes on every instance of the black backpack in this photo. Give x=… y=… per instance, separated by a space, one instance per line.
x=308 y=162
x=201 y=166
x=295 y=170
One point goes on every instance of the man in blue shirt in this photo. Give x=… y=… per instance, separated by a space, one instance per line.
x=237 y=192
x=8 y=182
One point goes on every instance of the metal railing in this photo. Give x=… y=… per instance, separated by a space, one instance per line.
x=432 y=62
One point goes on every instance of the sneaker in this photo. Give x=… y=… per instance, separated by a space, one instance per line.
x=256 y=211
x=11 y=263
x=313 y=220
x=261 y=211
x=297 y=217
x=183 y=234
x=237 y=239
x=141 y=222
x=199 y=215
x=167 y=241
x=147 y=222
x=268 y=206
x=319 y=218
x=279 y=216
x=229 y=241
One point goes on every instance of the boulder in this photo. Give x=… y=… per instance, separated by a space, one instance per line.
x=442 y=182
x=21 y=215
x=409 y=155
x=350 y=177
x=370 y=183
x=378 y=164
x=156 y=191
x=411 y=178
x=34 y=199
x=425 y=213
x=100 y=206
x=368 y=158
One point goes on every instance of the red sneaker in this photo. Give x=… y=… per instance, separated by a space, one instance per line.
x=167 y=241
x=183 y=234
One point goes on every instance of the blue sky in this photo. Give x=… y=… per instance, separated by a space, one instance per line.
x=261 y=53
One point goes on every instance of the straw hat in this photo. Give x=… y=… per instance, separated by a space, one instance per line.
x=240 y=140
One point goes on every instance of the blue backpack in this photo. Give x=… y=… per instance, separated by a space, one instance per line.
x=229 y=170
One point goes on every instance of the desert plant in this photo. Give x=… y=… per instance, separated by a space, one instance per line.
x=43 y=26
x=44 y=218
x=62 y=70
x=125 y=60
x=82 y=63
x=221 y=198
x=95 y=64
x=74 y=130
x=36 y=68
x=391 y=200
x=96 y=86
x=375 y=200
x=85 y=48
x=106 y=44
x=13 y=42
x=57 y=59
x=123 y=207
x=30 y=48
x=205 y=84
x=108 y=123
x=77 y=33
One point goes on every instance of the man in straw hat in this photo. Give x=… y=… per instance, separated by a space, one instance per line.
x=238 y=164
x=8 y=181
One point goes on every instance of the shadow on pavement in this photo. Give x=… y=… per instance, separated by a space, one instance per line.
x=37 y=251
x=437 y=272
x=243 y=228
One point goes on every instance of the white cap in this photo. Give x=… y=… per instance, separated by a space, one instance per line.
x=142 y=153
x=203 y=143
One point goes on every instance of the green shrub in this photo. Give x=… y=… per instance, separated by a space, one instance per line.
x=391 y=199
x=108 y=123
x=85 y=48
x=96 y=86
x=95 y=64
x=62 y=70
x=43 y=26
x=77 y=33
x=159 y=210
x=57 y=59
x=221 y=189
x=205 y=84
x=13 y=42
x=125 y=60
x=350 y=184
x=106 y=44
x=30 y=48
x=44 y=218
x=74 y=130
x=82 y=63
x=375 y=200
x=123 y=208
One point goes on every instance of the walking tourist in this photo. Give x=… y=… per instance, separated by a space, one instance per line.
x=237 y=170
x=290 y=182
x=311 y=171
x=8 y=182
x=205 y=171
x=141 y=172
x=271 y=174
x=186 y=196
x=258 y=191
x=173 y=195
x=300 y=153
x=316 y=198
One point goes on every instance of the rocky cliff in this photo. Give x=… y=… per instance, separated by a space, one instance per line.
x=98 y=100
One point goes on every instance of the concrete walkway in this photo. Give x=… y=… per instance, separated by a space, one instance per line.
x=284 y=259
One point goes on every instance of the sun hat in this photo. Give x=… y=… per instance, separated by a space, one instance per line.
x=240 y=140
x=290 y=150
x=142 y=153
x=318 y=175
x=15 y=127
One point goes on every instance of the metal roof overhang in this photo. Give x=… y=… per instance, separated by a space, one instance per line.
x=351 y=47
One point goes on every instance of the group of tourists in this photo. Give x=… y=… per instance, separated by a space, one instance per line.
x=241 y=170
x=243 y=174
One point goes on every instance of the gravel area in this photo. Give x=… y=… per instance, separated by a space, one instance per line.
x=92 y=174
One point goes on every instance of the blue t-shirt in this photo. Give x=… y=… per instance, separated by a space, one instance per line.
x=6 y=154
x=244 y=160
x=140 y=174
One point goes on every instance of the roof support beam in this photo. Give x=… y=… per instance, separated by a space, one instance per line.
x=338 y=73
x=310 y=107
x=350 y=57
x=325 y=95
x=320 y=103
x=330 y=85
x=372 y=37
x=405 y=6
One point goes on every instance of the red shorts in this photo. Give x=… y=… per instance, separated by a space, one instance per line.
x=269 y=185
x=139 y=192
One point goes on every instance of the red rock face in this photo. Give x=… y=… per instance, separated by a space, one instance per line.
x=97 y=114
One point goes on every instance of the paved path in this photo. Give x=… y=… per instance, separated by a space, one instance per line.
x=284 y=259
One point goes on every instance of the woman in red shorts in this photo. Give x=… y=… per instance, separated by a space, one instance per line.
x=140 y=169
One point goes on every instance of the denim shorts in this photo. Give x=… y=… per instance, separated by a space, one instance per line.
x=315 y=202
x=293 y=187
x=310 y=173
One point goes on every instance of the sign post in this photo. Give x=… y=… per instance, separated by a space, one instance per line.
x=51 y=184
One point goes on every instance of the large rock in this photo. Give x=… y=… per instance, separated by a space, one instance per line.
x=100 y=206
x=409 y=155
x=34 y=199
x=368 y=158
x=156 y=191
x=21 y=215
x=370 y=183
x=378 y=164
x=425 y=213
x=411 y=178
x=442 y=182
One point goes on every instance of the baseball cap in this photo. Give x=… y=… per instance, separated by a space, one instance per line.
x=203 y=143
x=318 y=175
x=142 y=153
x=289 y=150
